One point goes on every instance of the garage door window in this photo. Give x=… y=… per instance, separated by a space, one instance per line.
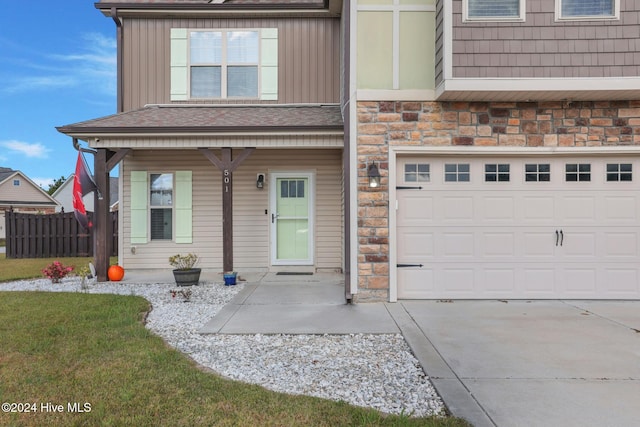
x=619 y=172
x=417 y=172
x=577 y=172
x=496 y=173
x=535 y=172
x=456 y=172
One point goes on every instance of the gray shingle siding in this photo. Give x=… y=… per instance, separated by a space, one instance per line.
x=543 y=47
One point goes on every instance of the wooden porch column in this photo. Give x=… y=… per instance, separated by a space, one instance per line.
x=103 y=162
x=227 y=165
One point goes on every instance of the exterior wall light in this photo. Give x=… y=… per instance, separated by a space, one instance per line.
x=260 y=181
x=374 y=175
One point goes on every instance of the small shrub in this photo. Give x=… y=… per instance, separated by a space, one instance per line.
x=56 y=271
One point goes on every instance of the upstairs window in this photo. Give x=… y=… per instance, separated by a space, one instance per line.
x=16 y=183
x=587 y=9
x=224 y=64
x=494 y=10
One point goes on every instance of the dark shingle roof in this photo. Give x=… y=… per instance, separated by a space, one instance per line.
x=6 y=173
x=215 y=118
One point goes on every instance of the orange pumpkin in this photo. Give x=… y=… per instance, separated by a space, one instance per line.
x=115 y=273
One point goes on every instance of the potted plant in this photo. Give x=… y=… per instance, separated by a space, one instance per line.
x=184 y=271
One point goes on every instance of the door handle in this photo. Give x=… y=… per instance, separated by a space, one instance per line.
x=273 y=218
x=561 y=237
x=557 y=237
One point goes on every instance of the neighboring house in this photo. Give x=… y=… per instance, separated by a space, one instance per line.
x=19 y=193
x=229 y=135
x=64 y=196
x=507 y=138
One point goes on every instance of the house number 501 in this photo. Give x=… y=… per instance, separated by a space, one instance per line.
x=227 y=180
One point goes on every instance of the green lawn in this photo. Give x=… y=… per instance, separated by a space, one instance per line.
x=75 y=348
x=30 y=268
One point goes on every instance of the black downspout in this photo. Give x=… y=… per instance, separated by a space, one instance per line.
x=346 y=156
x=120 y=100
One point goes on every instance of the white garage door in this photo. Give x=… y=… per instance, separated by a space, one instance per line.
x=518 y=227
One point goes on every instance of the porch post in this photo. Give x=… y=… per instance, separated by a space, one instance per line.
x=227 y=165
x=103 y=162
x=101 y=215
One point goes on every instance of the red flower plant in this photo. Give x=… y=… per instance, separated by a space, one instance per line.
x=56 y=271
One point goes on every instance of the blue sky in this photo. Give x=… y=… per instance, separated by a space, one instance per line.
x=57 y=67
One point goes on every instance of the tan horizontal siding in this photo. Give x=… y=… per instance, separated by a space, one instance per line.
x=250 y=223
x=308 y=57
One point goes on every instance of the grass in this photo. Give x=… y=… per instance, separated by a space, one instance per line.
x=31 y=268
x=75 y=348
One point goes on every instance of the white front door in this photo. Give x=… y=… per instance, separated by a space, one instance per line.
x=540 y=227
x=291 y=218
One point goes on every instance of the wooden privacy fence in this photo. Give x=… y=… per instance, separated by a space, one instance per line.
x=52 y=235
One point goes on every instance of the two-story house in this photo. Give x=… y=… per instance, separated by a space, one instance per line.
x=506 y=135
x=229 y=135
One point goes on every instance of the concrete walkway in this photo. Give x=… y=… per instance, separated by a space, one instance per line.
x=312 y=304
x=494 y=363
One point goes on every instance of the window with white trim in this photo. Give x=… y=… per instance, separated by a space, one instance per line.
x=457 y=172
x=493 y=10
x=537 y=172
x=497 y=172
x=223 y=64
x=16 y=183
x=587 y=9
x=417 y=172
x=161 y=205
x=619 y=172
x=577 y=172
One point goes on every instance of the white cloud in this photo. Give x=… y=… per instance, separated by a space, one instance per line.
x=28 y=149
x=44 y=183
x=92 y=67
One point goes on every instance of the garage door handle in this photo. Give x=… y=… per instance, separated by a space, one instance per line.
x=557 y=237
x=561 y=237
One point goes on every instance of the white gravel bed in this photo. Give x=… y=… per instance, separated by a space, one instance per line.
x=377 y=371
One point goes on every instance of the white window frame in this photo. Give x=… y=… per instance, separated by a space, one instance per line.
x=615 y=16
x=224 y=64
x=170 y=207
x=466 y=18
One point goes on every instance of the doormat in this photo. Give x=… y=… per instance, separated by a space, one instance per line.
x=293 y=273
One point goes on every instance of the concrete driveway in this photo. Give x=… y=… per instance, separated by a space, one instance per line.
x=530 y=363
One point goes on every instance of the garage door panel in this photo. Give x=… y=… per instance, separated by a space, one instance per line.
x=415 y=246
x=415 y=208
x=458 y=281
x=418 y=283
x=500 y=280
x=578 y=244
x=576 y=210
x=620 y=282
x=457 y=245
x=579 y=282
x=457 y=209
x=620 y=210
x=498 y=245
x=538 y=208
x=539 y=244
x=621 y=245
x=539 y=282
x=498 y=209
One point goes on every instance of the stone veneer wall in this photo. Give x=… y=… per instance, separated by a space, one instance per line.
x=523 y=124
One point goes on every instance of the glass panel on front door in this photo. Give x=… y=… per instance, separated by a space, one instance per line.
x=292 y=219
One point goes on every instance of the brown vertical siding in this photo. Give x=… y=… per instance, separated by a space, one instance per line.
x=308 y=50
x=542 y=47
